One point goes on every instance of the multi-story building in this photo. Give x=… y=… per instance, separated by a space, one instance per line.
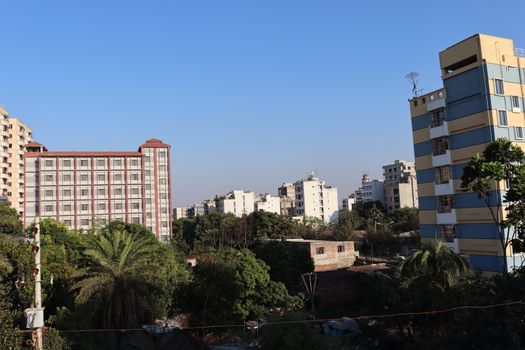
x=14 y=135
x=482 y=100
x=180 y=213
x=238 y=203
x=371 y=190
x=210 y=206
x=267 y=203
x=287 y=197
x=83 y=189
x=349 y=202
x=196 y=209
x=313 y=198
x=400 y=185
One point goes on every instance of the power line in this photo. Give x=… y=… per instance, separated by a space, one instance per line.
x=401 y=314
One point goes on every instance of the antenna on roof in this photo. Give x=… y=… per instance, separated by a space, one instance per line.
x=413 y=78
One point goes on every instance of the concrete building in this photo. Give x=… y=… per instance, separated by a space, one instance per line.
x=313 y=198
x=196 y=210
x=14 y=135
x=349 y=202
x=238 y=203
x=82 y=189
x=180 y=213
x=210 y=206
x=267 y=203
x=287 y=197
x=482 y=99
x=371 y=190
x=328 y=255
x=400 y=185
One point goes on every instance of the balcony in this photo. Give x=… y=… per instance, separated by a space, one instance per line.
x=446 y=218
x=435 y=104
x=438 y=131
x=444 y=188
x=442 y=159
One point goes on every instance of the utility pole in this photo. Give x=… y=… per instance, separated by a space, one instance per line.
x=35 y=315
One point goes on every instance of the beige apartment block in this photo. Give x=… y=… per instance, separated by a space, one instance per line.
x=400 y=185
x=85 y=189
x=315 y=199
x=14 y=137
x=287 y=198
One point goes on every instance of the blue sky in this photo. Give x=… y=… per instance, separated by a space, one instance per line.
x=248 y=93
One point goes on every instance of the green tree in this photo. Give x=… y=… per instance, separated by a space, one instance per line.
x=10 y=223
x=286 y=261
x=434 y=263
x=347 y=222
x=404 y=219
x=232 y=286
x=502 y=162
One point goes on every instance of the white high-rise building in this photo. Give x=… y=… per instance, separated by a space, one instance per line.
x=313 y=198
x=267 y=203
x=348 y=203
x=400 y=185
x=371 y=190
x=238 y=203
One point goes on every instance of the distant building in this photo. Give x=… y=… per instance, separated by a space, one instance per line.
x=349 y=202
x=313 y=198
x=196 y=210
x=287 y=198
x=210 y=206
x=14 y=136
x=267 y=203
x=329 y=255
x=180 y=213
x=81 y=189
x=371 y=190
x=238 y=203
x=400 y=185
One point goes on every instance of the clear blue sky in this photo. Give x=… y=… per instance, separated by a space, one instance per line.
x=248 y=93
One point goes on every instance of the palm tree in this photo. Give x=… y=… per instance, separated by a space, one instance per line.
x=117 y=274
x=435 y=263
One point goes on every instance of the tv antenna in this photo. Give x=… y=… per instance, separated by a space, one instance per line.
x=413 y=78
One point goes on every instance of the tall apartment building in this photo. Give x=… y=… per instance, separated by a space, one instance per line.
x=400 y=185
x=196 y=209
x=238 y=203
x=82 y=189
x=287 y=197
x=180 y=213
x=267 y=203
x=313 y=198
x=370 y=191
x=14 y=135
x=482 y=100
x=349 y=202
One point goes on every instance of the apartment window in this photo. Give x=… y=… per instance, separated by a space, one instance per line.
x=148 y=201
x=84 y=177
x=162 y=167
x=149 y=215
x=440 y=145
x=67 y=207
x=85 y=222
x=134 y=162
x=67 y=193
x=515 y=102
x=134 y=177
x=162 y=181
x=445 y=203
x=117 y=191
x=83 y=162
x=49 y=162
x=415 y=103
x=66 y=163
x=117 y=162
x=164 y=210
x=84 y=192
x=117 y=177
x=66 y=177
x=148 y=187
x=84 y=207
x=519 y=132
x=164 y=224
x=447 y=232
x=135 y=205
x=165 y=196
x=438 y=118
x=101 y=162
x=101 y=191
x=49 y=208
x=67 y=222
x=101 y=177
x=118 y=206
x=101 y=206
x=135 y=191
x=502 y=118
x=135 y=220
x=49 y=193
x=319 y=250
x=147 y=172
x=48 y=178
x=498 y=87
x=442 y=174
x=340 y=248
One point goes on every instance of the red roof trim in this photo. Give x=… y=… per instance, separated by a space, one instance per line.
x=83 y=154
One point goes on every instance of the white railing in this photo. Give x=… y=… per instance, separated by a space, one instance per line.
x=519 y=52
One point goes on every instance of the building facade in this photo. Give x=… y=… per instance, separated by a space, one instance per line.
x=180 y=213
x=400 y=185
x=482 y=99
x=287 y=197
x=349 y=202
x=267 y=203
x=238 y=203
x=328 y=255
x=371 y=190
x=313 y=198
x=84 y=189
x=13 y=139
